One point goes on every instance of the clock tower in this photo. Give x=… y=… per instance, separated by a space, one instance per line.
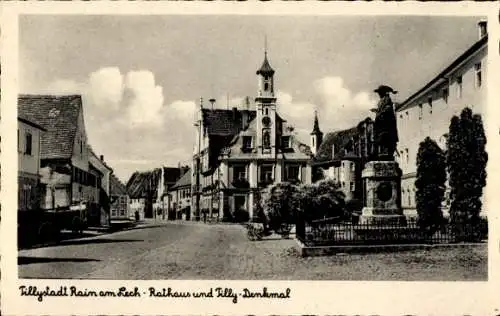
x=266 y=109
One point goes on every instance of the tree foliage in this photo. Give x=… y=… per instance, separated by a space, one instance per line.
x=466 y=160
x=430 y=184
x=281 y=202
x=322 y=199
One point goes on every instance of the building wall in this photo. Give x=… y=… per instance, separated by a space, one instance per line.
x=417 y=122
x=28 y=162
x=80 y=157
x=137 y=205
x=345 y=175
x=120 y=208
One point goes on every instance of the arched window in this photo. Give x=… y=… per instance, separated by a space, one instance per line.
x=266 y=86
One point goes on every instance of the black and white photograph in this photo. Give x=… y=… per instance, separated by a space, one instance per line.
x=252 y=147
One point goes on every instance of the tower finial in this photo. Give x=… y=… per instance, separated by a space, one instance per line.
x=265 y=44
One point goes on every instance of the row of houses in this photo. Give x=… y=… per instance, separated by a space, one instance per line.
x=57 y=168
x=160 y=193
x=239 y=152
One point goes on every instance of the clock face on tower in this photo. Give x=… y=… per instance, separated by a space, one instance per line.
x=266 y=121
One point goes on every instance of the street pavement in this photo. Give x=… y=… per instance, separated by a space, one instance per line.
x=217 y=251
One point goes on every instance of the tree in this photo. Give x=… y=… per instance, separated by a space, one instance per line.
x=430 y=184
x=281 y=202
x=466 y=160
x=323 y=199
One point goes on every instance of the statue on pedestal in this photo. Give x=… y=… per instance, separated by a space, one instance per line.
x=385 y=127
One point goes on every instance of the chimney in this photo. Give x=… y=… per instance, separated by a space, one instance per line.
x=212 y=102
x=483 y=30
x=102 y=157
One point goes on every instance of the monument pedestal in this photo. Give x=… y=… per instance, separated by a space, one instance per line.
x=382 y=187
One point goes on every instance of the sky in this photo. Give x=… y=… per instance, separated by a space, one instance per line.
x=141 y=77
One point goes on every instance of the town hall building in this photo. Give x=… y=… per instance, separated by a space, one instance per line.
x=239 y=152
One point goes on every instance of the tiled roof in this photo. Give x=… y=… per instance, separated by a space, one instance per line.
x=340 y=139
x=58 y=115
x=116 y=187
x=185 y=180
x=225 y=122
x=141 y=182
x=171 y=175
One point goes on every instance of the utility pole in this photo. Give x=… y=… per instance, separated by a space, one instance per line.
x=198 y=159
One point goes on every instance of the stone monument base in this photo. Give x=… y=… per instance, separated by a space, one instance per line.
x=382 y=182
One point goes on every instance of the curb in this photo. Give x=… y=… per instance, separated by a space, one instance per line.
x=316 y=251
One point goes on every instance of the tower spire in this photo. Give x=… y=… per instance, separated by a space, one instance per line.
x=316 y=129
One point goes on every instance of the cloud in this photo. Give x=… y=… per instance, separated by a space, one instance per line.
x=338 y=107
x=145 y=98
x=105 y=88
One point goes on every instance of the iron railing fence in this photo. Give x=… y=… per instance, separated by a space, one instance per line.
x=325 y=233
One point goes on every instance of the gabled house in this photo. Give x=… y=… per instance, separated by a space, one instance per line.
x=120 y=201
x=239 y=152
x=67 y=177
x=180 y=197
x=103 y=172
x=142 y=187
x=28 y=147
x=169 y=176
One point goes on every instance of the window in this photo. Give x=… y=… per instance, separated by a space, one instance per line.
x=266 y=86
x=240 y=172
x=407 y=155
x=352 y=166
x=18 y=142
x=407 y=115
x=266 y=139
x=266 y=111
x=478 y=75
x=459 y=87
x=28 y=144
x=445 y=94
x=313 y=141
x=351 y=187
x=420 y=111
x=292 y=173
x=285 y=141
x=266 y=173
x=429 y=102
x=81 y=147
x=247 y=142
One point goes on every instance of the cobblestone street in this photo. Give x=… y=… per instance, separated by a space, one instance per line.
x=197 y=251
